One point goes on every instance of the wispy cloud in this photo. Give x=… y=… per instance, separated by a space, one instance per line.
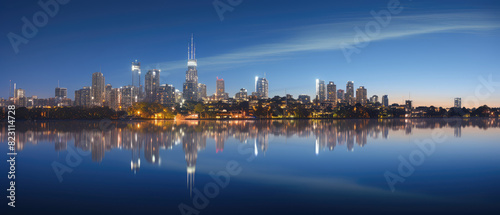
x=330 y=36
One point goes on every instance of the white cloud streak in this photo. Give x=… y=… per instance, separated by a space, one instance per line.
x=330 y=36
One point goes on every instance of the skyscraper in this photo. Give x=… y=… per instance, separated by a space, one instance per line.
x=458 y=103
x=331 y=91
x=320 y=90
x=151 y=85
x=220 y=93
x=97 y=94
x=242 y=95
x=136 y=74
x=361 y=96
x=114 y=101
x=385 y=101
x=107 y=95
x=262 y=87
x=167 y=94
x=190 y=87
x=202 y=91
x=83 y=97
x=220 y=89
x=61 y=92
x=349 y=93
x=340 y=95
x=128 y=96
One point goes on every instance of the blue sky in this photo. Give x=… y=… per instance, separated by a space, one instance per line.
x=430 y=51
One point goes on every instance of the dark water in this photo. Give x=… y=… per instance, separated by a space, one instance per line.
x=435 y=166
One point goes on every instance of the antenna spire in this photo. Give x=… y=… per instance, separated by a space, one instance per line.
x=192 y=47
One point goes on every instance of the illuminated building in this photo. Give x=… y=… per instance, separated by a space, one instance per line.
x=190 y=86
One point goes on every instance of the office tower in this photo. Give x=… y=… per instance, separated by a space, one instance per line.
x=107 y=94
x=190 y=87
x=340 y=95
x=97 y=89
x=61 y=92
x=320 y=90
x=242 y=95
x=114 y=100
x=128 y=96
x=304 y=99
x=83 y=97
x=458 y=103
x=220 y=89
x=349 y=94
x=361 y=96
x=385 y=101
x=408 y=106
x=166 y=94
x=331 y=91
x=136 y=74
x=151 y=85
x=374 y=99
x=202 y=91
x=136 y=80
x=220 y=93
x=19 y=93
x=261 y=88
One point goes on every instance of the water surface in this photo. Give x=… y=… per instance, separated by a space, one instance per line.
x=268 y=167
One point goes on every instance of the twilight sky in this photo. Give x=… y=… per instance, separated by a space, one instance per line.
x=429 y=51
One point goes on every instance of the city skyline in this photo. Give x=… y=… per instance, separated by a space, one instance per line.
x=288 y=54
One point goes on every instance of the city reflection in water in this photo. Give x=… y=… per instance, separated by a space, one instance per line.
x=153 y=136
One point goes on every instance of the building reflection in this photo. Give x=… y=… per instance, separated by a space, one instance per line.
x=151 y=137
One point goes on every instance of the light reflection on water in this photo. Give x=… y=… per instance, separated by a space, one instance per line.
x=291 y=148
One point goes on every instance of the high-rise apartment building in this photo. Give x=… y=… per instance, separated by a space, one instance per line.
x=97 y=89
x=83 y=97
x=151 y=85
x=202 y=91
x=361 y=96
x=349 y=93
x=167 y=94
x=331 y=91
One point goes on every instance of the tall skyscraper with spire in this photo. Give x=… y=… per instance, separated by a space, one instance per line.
x=190 y=87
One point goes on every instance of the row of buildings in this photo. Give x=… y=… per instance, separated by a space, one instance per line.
x=329 y=93
x=151 y=90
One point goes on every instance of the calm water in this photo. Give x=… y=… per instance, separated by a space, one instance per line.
x=263 y=167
